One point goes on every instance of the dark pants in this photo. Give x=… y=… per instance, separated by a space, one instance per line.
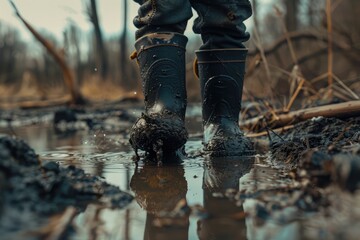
x=220 y=22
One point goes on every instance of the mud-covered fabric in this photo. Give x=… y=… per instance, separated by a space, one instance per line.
x=162 y=16
x=220 y=22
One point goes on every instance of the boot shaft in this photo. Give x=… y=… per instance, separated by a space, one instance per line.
x=221 y=73
x=161 y=58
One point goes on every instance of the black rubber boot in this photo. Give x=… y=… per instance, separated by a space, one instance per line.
x=221 y=74
x=161 y=58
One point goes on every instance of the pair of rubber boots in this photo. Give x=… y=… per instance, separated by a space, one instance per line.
x=161 y=58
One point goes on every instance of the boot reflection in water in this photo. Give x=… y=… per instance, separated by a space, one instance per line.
x=220 y=176
x=160 y=52
x=158 y=191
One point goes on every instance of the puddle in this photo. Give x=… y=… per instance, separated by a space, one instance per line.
x=210 y=185
x=156 y=190
x=225 y=199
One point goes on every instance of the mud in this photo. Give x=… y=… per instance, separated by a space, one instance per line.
x=35 y=189
x=321 y=149
x=305 y=187
x=313 y=183
x=157 y=134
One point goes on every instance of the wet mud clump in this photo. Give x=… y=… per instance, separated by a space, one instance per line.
x=314 y=175
x=323 y=150
x=32 y=190
x=312 y=143
x=157 y=135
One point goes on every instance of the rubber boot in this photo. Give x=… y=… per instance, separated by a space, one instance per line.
x=161 y=58
x=221 y=74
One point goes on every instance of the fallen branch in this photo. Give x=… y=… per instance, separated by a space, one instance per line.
x=341 y=110
x=349 y=51
x=76 y=97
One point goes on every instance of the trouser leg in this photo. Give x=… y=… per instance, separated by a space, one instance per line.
x=162 y=16
x=160 y=49
x=221 y=22
x=221 y=68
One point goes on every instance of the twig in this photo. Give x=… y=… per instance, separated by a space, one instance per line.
x=338 y=80
x=314 y=36
x=352 y=93
x=319 y=78
x=270 y=130
x=291 y=102
x=264 y=133
x=330 y=52
x=341 y=93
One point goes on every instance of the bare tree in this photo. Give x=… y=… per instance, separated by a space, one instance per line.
x=12 y=49
x=255 y=12
x=101 y=51
x=72 y=46
x=123 y=44
x=76 y=96
x=291 y=17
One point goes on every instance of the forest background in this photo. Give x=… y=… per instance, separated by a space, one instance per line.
x=297 y=48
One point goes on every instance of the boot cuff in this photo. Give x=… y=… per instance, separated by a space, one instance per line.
x=221 y=55
x=161 y=39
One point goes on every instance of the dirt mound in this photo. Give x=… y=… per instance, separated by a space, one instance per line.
x=33 y=189
x=321 y=149
x=327 y=135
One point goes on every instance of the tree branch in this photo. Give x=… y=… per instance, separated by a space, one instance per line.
x=76 y=97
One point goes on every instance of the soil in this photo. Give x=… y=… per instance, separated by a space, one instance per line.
x=321 y=148
x=318 y=162
x=305 y=186
x=36 y=189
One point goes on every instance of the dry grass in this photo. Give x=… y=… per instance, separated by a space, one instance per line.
x=97 y=89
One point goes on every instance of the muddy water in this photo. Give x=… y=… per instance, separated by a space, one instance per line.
x=157 y=190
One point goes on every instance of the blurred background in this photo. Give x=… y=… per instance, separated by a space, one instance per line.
x=306 y=43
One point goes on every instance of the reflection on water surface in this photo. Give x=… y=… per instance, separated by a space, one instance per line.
x=157 y=190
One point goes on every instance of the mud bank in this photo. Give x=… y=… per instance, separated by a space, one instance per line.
x=323 y=149
x=32 y=191
x=304 y=187
x=311 y=189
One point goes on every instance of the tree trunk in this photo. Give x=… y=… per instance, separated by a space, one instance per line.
x=255 y=12
x=292 y=7
x=123 y=46
x=101 y=51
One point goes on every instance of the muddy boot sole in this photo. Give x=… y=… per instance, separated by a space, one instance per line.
x=158 y=134
x=229 y=147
